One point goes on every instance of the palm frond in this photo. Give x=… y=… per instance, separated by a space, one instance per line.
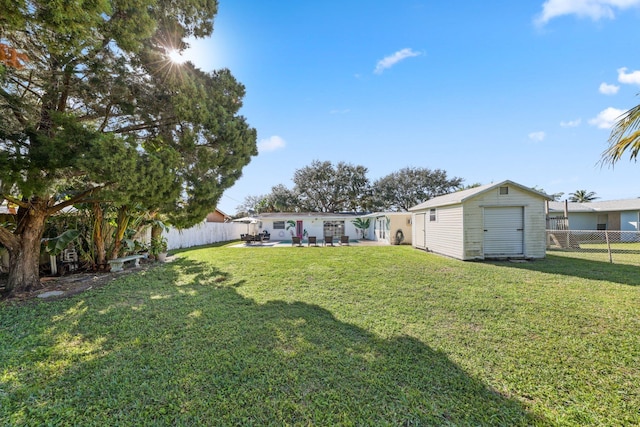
x=625 y=135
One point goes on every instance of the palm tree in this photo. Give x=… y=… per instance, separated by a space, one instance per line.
x=625 y=135
x=582 y=196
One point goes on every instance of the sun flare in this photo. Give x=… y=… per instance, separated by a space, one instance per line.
x=176 y=57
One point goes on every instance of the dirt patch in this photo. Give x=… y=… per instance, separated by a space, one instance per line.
x=70 y=284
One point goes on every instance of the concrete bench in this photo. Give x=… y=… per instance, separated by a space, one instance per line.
x=117 y=264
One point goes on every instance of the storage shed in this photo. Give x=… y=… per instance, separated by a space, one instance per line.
x=503 y=220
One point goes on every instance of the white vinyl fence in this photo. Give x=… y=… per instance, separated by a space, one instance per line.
x=204 y=233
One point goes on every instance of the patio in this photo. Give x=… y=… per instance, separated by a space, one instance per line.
x=304 y=243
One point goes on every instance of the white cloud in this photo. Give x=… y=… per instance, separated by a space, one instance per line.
x=537 y=136
x=391 y=60
x=606 y=118
x=632 y=78
x=271 y=144
x=571 y=123
x=594 y=9
x=607 y=89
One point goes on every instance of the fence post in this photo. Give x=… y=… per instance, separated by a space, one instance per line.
x=606 y=236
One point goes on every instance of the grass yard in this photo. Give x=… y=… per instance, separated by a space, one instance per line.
x=331 y=336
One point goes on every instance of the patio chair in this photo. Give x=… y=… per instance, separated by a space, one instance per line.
x=328 y=240
x=344 y=240
x=295 y=240
x=312 y=241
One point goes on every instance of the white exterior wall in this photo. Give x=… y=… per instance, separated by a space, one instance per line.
x=534 y=221
x=445 y=234
x=629 y=221
x=583 y=220
x=313 y=227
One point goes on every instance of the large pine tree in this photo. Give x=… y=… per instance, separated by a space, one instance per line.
x=97 y=111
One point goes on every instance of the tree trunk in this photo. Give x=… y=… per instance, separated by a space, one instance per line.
x=24 y=258
x=98 y=235
x=156 y=232
x=121 y=228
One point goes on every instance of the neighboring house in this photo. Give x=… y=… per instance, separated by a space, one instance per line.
x=218 y=216
x=618 y=215
x=393 y=228
x=502 y=220
x=284 y=225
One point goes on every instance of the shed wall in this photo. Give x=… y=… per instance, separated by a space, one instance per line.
x=445 y=234
x=534 y=221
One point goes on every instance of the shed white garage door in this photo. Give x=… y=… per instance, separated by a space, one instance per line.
x=504 y=231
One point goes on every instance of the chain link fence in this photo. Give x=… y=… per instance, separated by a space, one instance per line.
x=613 y=246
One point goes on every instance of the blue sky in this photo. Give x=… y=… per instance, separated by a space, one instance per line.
x=487 y=90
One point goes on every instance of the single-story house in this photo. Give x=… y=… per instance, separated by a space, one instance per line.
x=284 y=225
x=218 y=216
x=393 y=228
x=501 y=220
x=618 y=215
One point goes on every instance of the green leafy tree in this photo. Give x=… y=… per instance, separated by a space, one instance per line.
x=98 y=113
x=251 y=205
x=322 y=187
x=555 y=196
x=582 y=196
x=410 y=186
x=282 y=199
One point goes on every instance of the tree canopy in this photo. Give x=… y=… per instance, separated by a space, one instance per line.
x=410 y=186
x=324 y=187
x=97 y=111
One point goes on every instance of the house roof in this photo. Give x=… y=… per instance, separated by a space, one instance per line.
x=305 y=215
x=222 y=213
x=598 y=206
x=379 y=214
x=461 y=196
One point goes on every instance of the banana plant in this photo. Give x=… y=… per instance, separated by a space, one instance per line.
x=362 y=225
x=56 y=245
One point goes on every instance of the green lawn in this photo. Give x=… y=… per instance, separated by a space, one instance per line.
x=331 y=336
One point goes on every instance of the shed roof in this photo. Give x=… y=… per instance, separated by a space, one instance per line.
x=461 y=196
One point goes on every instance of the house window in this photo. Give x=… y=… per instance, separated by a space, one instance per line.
x=504 y=190
x=333 y=228
x=601 y=226
x=278 y=225
x=432 y=215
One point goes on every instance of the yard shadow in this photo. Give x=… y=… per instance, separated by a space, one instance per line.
x=624 y=274
x=198 y=352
